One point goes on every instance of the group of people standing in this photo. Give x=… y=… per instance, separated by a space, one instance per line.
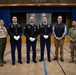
x=31 y=32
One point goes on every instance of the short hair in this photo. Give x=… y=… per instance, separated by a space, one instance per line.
x=44 y=16
x=1 y=20
x=14 y=16
x=59 y=16
x=31 y=17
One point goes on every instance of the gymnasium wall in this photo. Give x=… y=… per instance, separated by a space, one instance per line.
x=30 y=1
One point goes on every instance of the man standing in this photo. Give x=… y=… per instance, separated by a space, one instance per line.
x=3 y=39
x=15 y=32
x=45 y=31
x=59 y=32
x=31 y=33
x=72 y=37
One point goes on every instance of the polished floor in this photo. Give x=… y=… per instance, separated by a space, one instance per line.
x=41 y=68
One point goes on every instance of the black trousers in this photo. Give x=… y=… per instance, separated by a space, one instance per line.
x=15 y=44
x=42 y=46
x=28 y=46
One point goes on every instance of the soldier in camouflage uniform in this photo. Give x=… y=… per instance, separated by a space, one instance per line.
x=72 y=37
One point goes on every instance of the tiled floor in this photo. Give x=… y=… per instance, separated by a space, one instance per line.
x=53 y=68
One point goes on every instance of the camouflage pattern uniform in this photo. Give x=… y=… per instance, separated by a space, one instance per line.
x=72 y=35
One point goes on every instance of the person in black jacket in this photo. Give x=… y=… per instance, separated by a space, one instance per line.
x=45 y=31
x=31 y=33
x=15 y=32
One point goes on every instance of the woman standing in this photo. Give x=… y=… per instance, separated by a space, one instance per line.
x=3 y=37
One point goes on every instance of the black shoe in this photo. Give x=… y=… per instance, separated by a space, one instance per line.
x=34 y=61
x=20 y=62
x=62 y=60
x=1 y=65
x=55 y=58
x=40 y=60
x=4 y=62
x=49 y=60
x=13 y=63
x=28 y=62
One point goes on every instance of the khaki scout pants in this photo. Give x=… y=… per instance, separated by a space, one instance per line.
x=2 y=48
x=73 y=48
x=59 y=43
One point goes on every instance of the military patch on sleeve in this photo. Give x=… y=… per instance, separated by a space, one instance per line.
x=49 y=26
x=11 y=26
x=28 y=27
x=19 y=26
x=24 y=27
x=35 y=27
x=41 y=26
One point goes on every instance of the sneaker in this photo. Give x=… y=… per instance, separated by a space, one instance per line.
x=55 y=58
x=1 y=64
x=71 y=61
x=62 y=60
x=4 y=62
